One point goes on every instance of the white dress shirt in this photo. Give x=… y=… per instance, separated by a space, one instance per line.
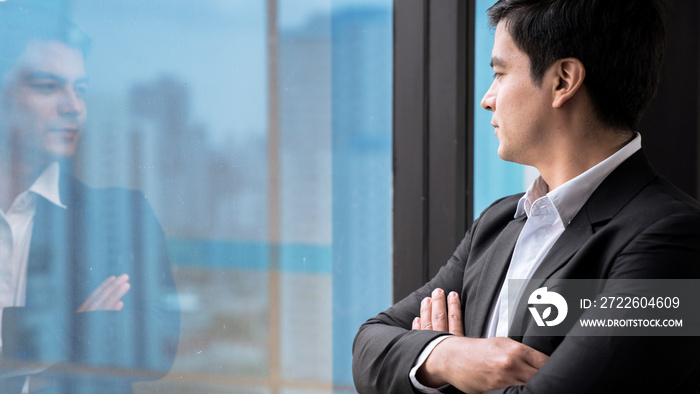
x=15 y=237
x=548 y=214
x=16 y=227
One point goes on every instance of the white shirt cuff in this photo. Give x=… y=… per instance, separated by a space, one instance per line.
x=421 y=359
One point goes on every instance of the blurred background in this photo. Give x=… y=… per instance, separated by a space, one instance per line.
x=260 y=132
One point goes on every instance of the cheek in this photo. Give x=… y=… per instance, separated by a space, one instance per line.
x=527 y=103
x=509 y=99
x=37 y=110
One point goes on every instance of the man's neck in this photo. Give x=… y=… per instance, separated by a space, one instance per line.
x=572 y=158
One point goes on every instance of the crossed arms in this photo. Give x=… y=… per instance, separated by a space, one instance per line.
x=387 y=346
x=493 y=362
x=73 y=314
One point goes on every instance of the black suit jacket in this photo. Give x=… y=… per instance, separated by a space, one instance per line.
x=635 y=225
x=102 y=232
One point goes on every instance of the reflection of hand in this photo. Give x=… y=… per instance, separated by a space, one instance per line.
x=471 y=364
x=107 y=297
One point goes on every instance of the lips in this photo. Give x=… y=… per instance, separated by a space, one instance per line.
x=495 y=129
x=64 y=134
x=65 y=131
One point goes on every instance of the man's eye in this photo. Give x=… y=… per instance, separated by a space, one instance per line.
x=497 y=75
x=80 y=90
x=44 y=87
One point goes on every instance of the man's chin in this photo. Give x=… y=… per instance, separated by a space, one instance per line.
x=58 y=153
x=503 y=153
x=507 y=155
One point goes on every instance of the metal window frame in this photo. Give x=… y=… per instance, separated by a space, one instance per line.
x=433 y=101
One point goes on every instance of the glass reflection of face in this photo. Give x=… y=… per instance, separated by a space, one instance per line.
x=43 y=101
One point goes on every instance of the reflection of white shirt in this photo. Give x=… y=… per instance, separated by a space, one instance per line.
x=548 y=214
x=15 y=237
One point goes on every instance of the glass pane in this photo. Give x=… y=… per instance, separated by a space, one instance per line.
x=235 y=163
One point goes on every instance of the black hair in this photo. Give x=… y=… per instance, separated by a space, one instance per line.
x=23 y=21
x=620 y=43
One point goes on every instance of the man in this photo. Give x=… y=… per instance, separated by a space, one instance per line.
x=86 y=291
x=572 y=78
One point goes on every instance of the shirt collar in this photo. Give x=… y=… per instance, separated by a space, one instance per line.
x=47 y=185
x=570 y=196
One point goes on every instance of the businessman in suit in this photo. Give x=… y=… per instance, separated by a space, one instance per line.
x=87 y=298
x=572 y=79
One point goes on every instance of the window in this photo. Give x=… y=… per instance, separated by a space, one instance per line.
x=260 y=134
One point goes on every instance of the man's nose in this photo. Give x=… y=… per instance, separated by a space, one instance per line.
x=488 y=102
x=70 y=103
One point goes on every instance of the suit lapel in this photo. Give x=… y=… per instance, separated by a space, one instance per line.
x=52 y=253
x=570 y=241
x=492 y=276
x=619 y=188
x=48 y=253
x=608 y=199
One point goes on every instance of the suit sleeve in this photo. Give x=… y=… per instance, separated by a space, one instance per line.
x=142 y=336
x=670 y=249
x=385 y=348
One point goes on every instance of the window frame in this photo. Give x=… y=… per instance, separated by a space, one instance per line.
x=433 y=129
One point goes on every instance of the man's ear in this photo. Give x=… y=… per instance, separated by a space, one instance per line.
x=569 y=74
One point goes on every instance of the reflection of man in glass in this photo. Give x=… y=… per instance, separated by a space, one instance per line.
x=85 y=281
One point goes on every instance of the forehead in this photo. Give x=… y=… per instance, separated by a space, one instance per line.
x=505 y=52
x=53 y=57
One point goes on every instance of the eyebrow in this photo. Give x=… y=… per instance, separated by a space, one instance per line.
x=497 y=61
x=44 y=75
x=47 y=75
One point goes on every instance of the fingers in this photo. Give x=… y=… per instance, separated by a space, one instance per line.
x=524 y=374
x=535 y=358
x=521 y=361
x=416 y=324
x=426 y=314
x=438 y=310
x=454 y=315
x=108 y=295
x=113 y=298
x=95 y=294
x=440 y=313
x=521 y=372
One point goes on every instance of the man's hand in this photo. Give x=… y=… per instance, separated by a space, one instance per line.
x=471 y=364
x=439 y=314
x=107 y=297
